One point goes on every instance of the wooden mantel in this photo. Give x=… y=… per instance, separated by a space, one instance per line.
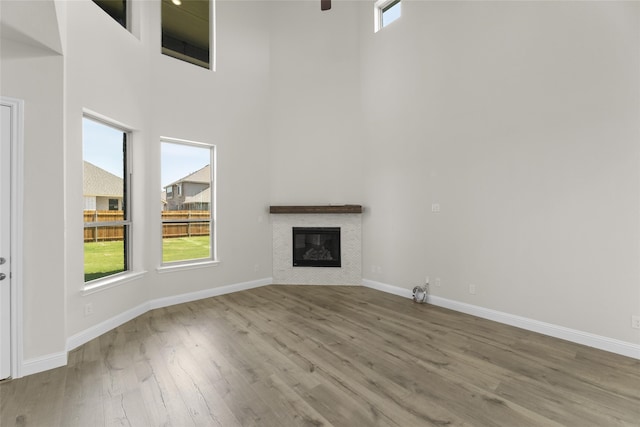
x=323 y=209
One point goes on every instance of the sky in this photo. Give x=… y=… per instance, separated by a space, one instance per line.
x=179 y=160
x=102 y=146
x=391 y=14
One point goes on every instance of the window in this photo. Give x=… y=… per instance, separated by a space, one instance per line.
x=106 y=177
x=188 y=228
x=386 y=11
x=117 y=9
x=186 y=31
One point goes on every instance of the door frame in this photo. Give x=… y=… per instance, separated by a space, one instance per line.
x=16 y=233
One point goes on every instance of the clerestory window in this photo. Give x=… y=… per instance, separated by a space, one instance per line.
x=117 y=9
x=186 y=30
x=386 y=11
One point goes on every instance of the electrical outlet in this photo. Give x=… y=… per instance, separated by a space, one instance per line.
x=472 y=289
x=635 y=321
x=435 y=207
x=438 y=282
x=426 y=280
x=88 y=309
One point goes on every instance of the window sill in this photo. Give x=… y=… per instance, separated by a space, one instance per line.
x=112 y=282
x=190 y=266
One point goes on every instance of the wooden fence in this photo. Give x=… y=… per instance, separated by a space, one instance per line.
x=185 y=229
x=169 y=229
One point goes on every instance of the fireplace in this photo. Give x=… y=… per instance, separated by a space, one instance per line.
x=343 y=219
x=316 y=247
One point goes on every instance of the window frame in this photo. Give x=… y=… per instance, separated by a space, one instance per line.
x=213 y=256
x=380 y=7
x=127 y=222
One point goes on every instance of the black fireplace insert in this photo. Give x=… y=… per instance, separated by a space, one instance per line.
x=316 y=247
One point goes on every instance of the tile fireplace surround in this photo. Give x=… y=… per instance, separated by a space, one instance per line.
x=347 y=217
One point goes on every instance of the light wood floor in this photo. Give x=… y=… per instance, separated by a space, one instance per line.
x=321 y=356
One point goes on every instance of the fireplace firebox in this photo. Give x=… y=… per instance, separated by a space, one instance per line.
x=316 y=247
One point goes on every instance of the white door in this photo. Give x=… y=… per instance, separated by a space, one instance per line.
x=5 y=243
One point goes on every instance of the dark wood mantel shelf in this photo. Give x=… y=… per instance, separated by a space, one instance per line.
x=325 y=209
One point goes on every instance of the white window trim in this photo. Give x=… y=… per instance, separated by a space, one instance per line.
x=378 y=7
x=16 y=234
x=111 y=281
x=213 y=227
x=186 y=265
x=130 y=274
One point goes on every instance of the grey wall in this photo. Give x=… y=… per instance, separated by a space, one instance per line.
x=36 y=76
x=522 y=121
x=314 y=110
x=123 y=77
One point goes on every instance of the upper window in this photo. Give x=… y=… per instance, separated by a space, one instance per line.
x=105 y=185
x=117 y=9
x=386 y=11
x=188 y=216
x=186 y=30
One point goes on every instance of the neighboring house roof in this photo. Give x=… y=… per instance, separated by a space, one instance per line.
x=202 y=176
x=99 y=182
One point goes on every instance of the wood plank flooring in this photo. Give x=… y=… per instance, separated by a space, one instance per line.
x=325 y=356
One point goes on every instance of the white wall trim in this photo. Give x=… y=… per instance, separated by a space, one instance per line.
x=17 y=191
x=208 y=293
x=95 y=331
x=390 y=289
x=44 y=363
x=603 y=343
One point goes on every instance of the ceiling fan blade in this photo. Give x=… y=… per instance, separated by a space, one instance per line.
x=325 y=4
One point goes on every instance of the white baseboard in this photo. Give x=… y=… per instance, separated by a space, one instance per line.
x=208 y=293
x=44 y=363
x=390 y=289
x=95 y=331
x=603 y=343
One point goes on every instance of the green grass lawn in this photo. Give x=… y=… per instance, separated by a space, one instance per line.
x=103 y=259
x=184 y=248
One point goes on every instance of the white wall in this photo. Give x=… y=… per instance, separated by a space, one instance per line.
x=226 y=108
x=125 y=78
x=31 y=69
x=521 y=120
x=316 y=129
x=35 y=76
